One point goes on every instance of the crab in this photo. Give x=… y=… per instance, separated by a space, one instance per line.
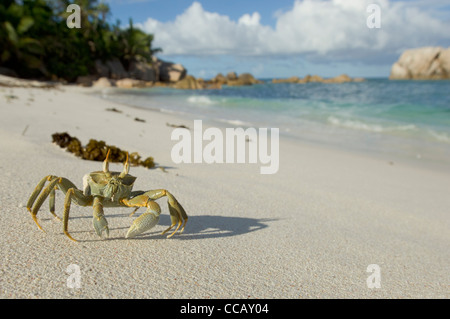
x=107 y=189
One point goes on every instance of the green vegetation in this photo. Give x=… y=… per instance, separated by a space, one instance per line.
x=35 y=41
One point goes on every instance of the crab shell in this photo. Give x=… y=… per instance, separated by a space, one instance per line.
x=109 y=185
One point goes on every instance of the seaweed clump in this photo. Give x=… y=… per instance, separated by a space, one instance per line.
x=96 y=151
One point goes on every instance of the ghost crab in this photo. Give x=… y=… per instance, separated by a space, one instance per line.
x=107 y=189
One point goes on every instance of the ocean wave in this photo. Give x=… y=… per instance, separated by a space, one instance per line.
x=235 y=122
x=201 y=100
x=167 y=111
x=376 y=128
x=440 y=136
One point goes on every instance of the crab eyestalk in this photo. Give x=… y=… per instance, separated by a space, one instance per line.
x=114 y=185
x=106 y=164
x=126 y=168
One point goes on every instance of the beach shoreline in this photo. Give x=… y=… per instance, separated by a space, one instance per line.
x=383 y=133
x=309 y=231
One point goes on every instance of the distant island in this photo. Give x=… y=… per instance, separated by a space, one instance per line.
x=343 y=78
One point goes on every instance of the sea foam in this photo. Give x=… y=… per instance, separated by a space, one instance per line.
x=201 y=100
x=441 y=137
x=376 y=128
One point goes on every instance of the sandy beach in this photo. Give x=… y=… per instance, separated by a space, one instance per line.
x=309 y=231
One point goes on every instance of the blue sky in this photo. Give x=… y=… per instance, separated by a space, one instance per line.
x=166 y=10
x=284 y=38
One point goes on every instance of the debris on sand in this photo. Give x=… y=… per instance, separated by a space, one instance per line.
x=177 y=126
x=96 y=151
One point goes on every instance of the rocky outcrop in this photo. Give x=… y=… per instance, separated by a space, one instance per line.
x=116 y=69
x=311 y=79
x=132 y=83
x=8 y=72
x=101 y=69
x=158 y=73
x=220 y=79
x=139 y=74
x=168 y=71
x=232 y=76
x=112 y=73
x=292 y=79
x=243 y=79
x=232 y=79
x=428 y=63
x=103 y=82
x=143 y=71
x=126 y=83
x=189 y=83
x=86 y=80
x=112 y=69
x=338 y=79
x=343 y=78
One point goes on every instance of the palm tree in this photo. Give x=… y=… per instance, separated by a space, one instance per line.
x=137 y=45
x=103 y=9
x=20 y=49
x=35 y=40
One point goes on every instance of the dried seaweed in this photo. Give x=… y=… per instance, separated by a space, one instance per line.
x=96 y=151
x=177 y=126
x=113 y=109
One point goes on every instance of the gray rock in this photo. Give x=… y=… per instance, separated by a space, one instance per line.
x=101 y=69
x=170 y=72
x=143 y=71
x=112 y=69
x=428 y=63
x=116 y=69
x=85 y=80
x=8 y=72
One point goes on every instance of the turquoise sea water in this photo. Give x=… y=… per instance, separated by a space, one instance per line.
x=407 y=118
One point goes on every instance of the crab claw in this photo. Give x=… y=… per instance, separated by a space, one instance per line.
x=146 y=221
x=101 y=225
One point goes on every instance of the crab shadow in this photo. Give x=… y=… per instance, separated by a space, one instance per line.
x=209 y=226
x=197 y=227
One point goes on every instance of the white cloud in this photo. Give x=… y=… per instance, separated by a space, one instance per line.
x=250 y=20
x=334 y=29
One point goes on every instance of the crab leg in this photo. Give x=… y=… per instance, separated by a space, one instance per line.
x=51 y=203
x=34 y=205
x=40 y=200
x=133 y=195
x=177 y=213
x=99 y=220
x=37 y=190
x=73 y=194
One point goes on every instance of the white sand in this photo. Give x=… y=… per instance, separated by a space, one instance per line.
x=309 y=231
